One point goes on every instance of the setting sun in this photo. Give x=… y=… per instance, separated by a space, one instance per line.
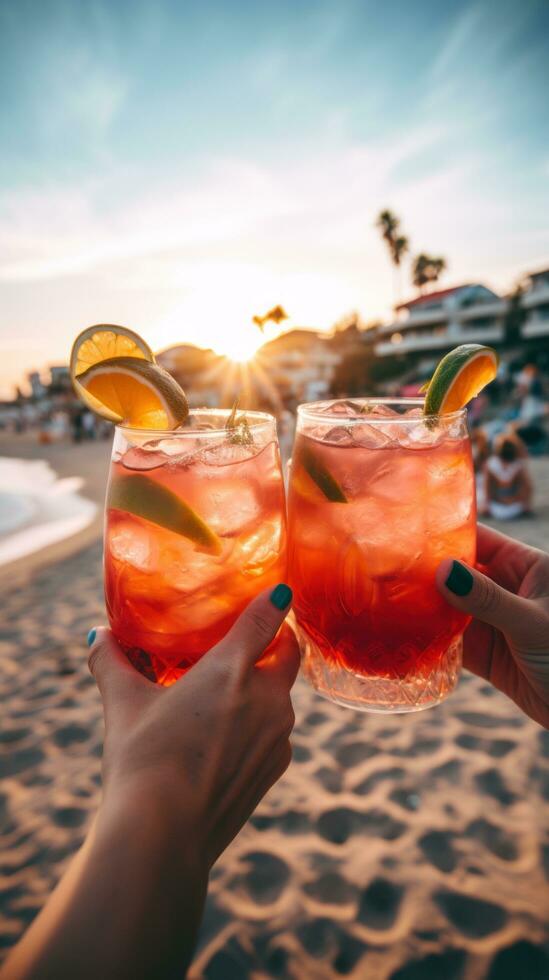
x=241 y=344
x=218 y=311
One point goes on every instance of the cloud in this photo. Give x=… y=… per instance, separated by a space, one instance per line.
x=299 y=231
x=69 y=230
x=462 y=35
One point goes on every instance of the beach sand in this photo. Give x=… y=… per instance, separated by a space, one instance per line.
x=410 y=848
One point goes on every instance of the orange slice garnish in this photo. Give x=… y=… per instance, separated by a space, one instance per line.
x=135 y=392
x=103 y=341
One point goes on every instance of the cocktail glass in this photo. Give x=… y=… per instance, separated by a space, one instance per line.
x=378 y=495
x=195 y=528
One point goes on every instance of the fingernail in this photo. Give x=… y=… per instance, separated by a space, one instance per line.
x=91 y=637
x=281 y=596
x=460 y=580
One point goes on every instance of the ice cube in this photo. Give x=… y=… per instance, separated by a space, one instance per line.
x=191 y=571
x=143 y=458
x=259 y=549
x=364 y=520
x=417 y=435
x=203 y=612
x=379 y=410
x=451 y=491
x=397 y=478
x=226 y=453
x=345 y=408
x=385 y=418
x=230 y=506
x=457 y=430
x=340 y=435
x=131 y=542
x=179 y=452
x=448 y=511
x=172 y=447
x=370 y=436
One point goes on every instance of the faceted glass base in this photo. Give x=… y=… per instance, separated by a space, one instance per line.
x=152 y=667
x=379 y=694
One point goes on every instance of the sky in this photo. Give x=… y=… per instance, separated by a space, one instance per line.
x=178 y=166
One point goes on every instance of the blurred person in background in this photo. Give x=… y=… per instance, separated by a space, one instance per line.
x=88 y=425
x=533 y=409
x=507 y=488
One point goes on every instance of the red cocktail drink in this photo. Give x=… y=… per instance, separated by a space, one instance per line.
x=379 y=495
x=195 y=528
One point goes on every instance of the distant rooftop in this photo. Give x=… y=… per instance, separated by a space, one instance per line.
x=300 y=337
x=429 y=297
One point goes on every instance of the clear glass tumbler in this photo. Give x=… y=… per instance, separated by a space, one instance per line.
x=378 y=495
x=195 y=527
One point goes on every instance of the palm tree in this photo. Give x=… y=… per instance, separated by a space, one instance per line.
x=388 y=223
x=398 y=245
x=401 y=245
x=276 y=315
x=427 y=269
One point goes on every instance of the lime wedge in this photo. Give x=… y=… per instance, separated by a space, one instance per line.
x=320 y=475
x=140 y=495
x=459 y=376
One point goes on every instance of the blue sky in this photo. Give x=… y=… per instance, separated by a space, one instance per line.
x=177 y=166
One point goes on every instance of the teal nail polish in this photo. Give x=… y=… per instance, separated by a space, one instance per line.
x=281 y=596
x=91 y=637
x=460 y=580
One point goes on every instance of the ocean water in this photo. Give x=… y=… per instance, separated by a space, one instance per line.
x=37 y=508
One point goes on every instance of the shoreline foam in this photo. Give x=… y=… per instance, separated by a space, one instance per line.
x=37 y=508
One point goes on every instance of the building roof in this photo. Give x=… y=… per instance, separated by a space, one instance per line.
x=429 y=297
x=298 y=338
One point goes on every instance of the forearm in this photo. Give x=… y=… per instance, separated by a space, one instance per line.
x=129 y=905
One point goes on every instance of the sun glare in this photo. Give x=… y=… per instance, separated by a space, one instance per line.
x=240 y=345
x=217 y=311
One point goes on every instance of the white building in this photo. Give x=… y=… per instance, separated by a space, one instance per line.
x=60 y=375
x=37 y=386
x=463 y=315
x=535 y=301
x=460 y=315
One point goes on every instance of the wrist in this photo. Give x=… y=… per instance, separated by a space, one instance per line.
x=149 y=808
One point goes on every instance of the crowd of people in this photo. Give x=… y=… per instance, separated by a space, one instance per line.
x=509 y=423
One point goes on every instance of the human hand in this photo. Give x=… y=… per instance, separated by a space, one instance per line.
x=508 y=640
x=183 y=769
x=211 y=745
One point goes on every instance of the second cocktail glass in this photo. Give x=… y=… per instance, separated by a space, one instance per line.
x=379 y=495
x=195 y=528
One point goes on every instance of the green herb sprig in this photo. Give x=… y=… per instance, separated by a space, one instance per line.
x=238 y=428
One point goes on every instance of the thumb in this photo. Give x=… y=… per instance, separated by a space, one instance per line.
x=121 y=686
x=257 y=626
x=474 y=593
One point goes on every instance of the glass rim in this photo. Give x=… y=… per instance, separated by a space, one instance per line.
x=255 y=420
x=312 y=411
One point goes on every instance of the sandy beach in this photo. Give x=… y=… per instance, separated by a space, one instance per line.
x=395 y=848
